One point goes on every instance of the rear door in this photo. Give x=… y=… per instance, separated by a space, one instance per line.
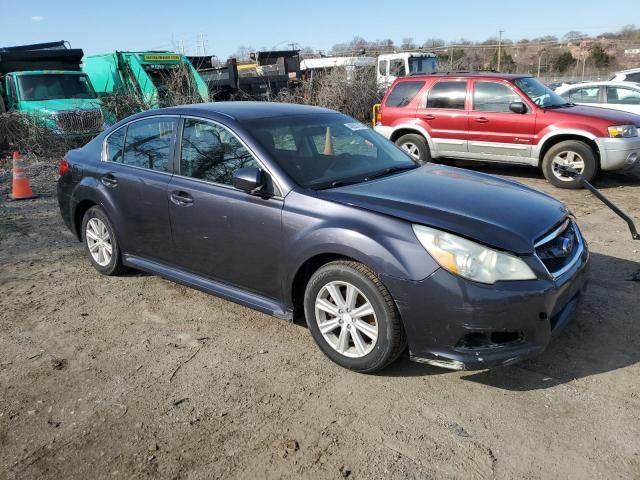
x=495 y=132
x=221 y=232
x=443 y=114
x=134 y=175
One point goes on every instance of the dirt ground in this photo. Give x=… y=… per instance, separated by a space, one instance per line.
x=138 y=377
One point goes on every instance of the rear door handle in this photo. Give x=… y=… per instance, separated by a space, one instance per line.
x=109 y=180
x=481 y=119
x=182 y=199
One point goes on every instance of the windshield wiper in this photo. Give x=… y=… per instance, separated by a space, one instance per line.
x=562 y=105
x=389 y=171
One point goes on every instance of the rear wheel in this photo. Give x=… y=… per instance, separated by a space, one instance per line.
x=352 y=317
x=416 y=146
x=572 y=153
x=100 y=242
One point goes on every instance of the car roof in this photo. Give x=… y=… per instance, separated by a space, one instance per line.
x=479 y=74
x=243 y=110
x=630 y=70
x=604 y=83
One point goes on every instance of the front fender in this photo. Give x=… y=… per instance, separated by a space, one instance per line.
x=385 y=244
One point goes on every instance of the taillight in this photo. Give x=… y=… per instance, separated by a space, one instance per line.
x=64 y=167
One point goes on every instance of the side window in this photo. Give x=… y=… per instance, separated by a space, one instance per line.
x=396 y=68
x=382 y=67
x=448 y=94
x=403 y=93
x=115 y=145
x=493 y=97
x=582 y=95
x=633 y=77
x=623 y=96
x=148 y=143
x=212 y=153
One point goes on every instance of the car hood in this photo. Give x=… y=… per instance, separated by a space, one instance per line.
x=616 y=117
x=497 y=212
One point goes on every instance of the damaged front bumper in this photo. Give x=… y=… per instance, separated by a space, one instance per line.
x=461 y=325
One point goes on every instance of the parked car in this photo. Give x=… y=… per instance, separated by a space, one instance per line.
x=509 y=119
x=631 y=75
x=623 y=96
x=296 y=210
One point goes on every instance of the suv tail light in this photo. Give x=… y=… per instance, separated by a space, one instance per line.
x=64 y=167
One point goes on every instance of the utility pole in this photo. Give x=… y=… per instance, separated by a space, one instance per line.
x=539 y=61
x=500 y=49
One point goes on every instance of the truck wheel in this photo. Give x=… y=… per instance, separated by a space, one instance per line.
x=572 y=153
x=416 y=146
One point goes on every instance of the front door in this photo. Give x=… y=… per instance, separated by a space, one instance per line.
x=443 y=115
x=495 y=132
x=134 y=177
x=220 y=232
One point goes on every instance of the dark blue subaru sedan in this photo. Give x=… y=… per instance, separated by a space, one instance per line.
x=296 y=210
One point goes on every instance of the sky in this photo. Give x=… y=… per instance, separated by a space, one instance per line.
x=135 y=25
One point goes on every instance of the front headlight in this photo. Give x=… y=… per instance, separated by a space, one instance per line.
x=470 y=259
x=623 y=131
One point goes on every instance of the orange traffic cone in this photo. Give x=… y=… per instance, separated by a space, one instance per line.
x=328 y=144
x=21 y=188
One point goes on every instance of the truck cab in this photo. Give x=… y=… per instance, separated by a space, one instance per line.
x=44 y=81
x=152 y=75
x=394 y=65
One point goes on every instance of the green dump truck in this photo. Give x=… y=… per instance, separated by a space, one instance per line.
x=45 y=81
x=155 y=76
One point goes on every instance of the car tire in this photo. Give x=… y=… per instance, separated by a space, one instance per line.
x=416 y=146
x=358 y=352
x=98 y=236
x=575 y=153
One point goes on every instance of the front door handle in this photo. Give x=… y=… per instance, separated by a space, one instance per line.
x=481 y=119
x=428 y=116
x=182 y=199
x=109 y=180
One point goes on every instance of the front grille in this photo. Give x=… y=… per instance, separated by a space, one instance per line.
x=559 y=249
x=80 y=121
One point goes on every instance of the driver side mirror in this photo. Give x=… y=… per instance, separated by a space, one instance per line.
x=249 y=179
x=518 y=107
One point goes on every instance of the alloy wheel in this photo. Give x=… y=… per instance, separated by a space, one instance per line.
x=567 y=158
x=99 y=242
x=346 y=319
x=411 y=149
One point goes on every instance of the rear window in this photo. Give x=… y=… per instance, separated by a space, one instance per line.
x=403 y=93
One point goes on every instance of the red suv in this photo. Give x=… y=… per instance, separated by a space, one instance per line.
x=506 y=118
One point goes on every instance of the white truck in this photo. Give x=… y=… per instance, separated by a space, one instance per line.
x=389 y=66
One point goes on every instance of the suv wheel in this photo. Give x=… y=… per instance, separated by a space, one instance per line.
x=416 y=146
x=572 y=153
x=100 y=242
x=352 y=317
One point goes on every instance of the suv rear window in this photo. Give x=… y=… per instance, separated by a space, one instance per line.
x=449 y=94
x=403 y=93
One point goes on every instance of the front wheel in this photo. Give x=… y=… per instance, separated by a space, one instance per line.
x=572 y=153
x=352 y=317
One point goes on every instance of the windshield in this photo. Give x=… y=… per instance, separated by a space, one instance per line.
x=419 y=65
x=328 y=149
x=539 y=93
x=51 y=86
